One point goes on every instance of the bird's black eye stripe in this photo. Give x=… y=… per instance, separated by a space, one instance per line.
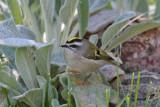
x=98 y=52
x=74 y=46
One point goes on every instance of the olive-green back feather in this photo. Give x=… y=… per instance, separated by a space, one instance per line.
x=97 y=54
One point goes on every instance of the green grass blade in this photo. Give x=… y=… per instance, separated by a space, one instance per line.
x=0 y=65
x=122 y=101
x=131 y=88
x=69 y=100
x=119 y=81
x=147 y=98
x=128 y=102
x=107 y=98
x=52 y=94
x=137 y=87
x=158 y=102
x=47 y=87
x=43 y=102
x=6 y=95
x=154 y=97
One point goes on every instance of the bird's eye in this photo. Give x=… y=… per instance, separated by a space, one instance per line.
x=74 y=46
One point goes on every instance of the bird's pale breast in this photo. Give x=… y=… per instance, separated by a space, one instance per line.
x=81 y=64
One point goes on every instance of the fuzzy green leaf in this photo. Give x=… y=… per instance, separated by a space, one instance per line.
x=18 y=42
x=136 y=5
x=26 y=67
x=143 y=6
x=25 y=32
x=3 y=102
x=95 y=5
x=58 y=4
x=111 y=32
x=51 y=21
x=67 y=11
x=42 y=83
x=42 y=59
x=128 y=4
x=15 y=10
x=10 y=83
x=66 y=14
x=32 y=98
x=33 y=21
x=94 y=39
x=83 y=14
x=157 y=11
x=58 y=58
x=55 y=103
x=92 y=92
x=132 y=31
x=63 y=80
x=8 y=29
x=51 y=89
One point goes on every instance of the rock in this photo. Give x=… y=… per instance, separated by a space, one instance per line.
x=145 y=78
x=109 y=71
x=101 y=20
x=142 y=52
x=142 y=92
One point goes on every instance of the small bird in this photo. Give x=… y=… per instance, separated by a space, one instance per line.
x=84 y=57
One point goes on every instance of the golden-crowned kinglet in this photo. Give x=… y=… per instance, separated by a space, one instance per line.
x=84 y=57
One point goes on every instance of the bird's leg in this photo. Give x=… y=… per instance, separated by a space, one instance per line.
x=87 y=77
x=74 y=72
x=80 y=82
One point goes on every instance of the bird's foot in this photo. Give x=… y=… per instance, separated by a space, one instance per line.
x=80 y=82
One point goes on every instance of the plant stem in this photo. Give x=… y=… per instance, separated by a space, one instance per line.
x=107 y=98
x=47 y=85
x=158 y=102
x=96 y=105
x=137 y=87
x=131 y=88
x=69 y=99
x=6 y=95
x=154 y=97
x=128 y=102
x=0 y=65
x=43 y=100
x=147 y=98
x=119 y=105
x=119 y=81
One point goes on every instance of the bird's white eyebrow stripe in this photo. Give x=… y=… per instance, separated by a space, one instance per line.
x=75 y=43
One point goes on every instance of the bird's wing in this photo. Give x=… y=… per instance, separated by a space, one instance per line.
x=98 y=54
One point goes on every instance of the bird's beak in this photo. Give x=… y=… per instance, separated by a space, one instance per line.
x=64 y=46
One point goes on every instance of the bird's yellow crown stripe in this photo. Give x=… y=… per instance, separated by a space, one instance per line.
x=69 y=40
